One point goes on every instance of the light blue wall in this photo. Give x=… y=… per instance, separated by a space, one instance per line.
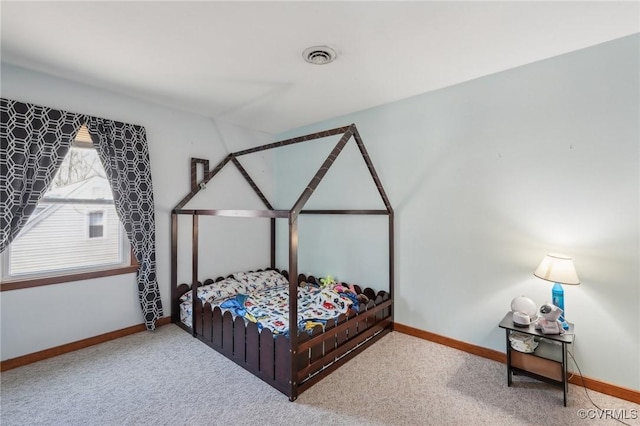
x=347 y=185
x=488 y=176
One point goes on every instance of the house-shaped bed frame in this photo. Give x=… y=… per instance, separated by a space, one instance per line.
x=294 y=363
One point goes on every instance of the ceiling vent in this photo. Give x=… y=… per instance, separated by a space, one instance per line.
x=319 y=55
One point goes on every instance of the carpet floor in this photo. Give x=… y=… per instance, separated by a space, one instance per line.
x=167 y=377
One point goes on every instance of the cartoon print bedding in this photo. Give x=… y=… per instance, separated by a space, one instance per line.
x=263 y=298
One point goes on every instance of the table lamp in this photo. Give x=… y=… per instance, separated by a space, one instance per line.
x=559 y=269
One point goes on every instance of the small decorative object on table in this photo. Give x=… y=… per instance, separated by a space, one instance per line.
x=524 y=311
x=549 y=323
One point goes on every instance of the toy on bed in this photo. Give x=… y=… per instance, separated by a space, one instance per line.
x=348 y=290
x=328 y=281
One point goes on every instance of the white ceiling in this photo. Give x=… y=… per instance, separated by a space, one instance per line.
x=242 y=61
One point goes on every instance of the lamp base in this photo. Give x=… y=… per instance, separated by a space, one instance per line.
x=557 y=298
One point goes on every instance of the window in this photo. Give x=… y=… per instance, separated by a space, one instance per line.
x=75 y=228
x=96 y=224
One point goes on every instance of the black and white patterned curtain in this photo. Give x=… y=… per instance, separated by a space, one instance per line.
x=124 y=154
x=34 y=142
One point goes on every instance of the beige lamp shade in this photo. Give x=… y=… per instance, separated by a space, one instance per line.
x=557 y=268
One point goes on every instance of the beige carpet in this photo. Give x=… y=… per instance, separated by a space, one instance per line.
x=167 y=377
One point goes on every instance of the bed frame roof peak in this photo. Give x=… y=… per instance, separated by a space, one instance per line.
x=347 y=133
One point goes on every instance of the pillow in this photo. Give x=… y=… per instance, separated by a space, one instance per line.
x=216 y=291
x=256 y=281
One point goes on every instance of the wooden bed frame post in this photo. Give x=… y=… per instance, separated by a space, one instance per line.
x=194 y=266
x=293 y=304
x=391 y=265
x=273 y=242
x=175 y=313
